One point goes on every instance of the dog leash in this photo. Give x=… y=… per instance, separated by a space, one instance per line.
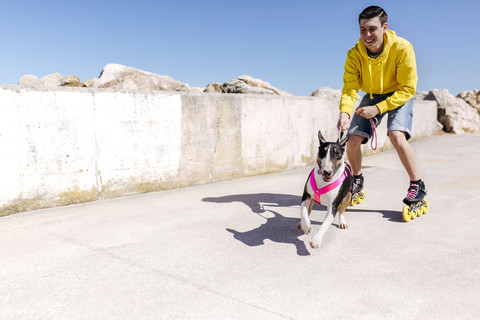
x=373 y=124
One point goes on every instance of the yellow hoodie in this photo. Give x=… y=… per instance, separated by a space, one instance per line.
x=394 y=70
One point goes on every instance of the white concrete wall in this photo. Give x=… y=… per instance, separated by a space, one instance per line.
x=137 y=139
x=73 y=145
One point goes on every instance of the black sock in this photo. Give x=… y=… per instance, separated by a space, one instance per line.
x=415 y=182
x=358 y=177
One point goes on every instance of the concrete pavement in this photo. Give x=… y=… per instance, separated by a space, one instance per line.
x=230 y=250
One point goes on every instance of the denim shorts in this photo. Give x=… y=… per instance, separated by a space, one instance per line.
x=399 y=119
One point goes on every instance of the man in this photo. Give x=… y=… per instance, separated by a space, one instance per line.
x=382 y=65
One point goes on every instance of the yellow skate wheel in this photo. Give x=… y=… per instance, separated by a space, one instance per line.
x=353 y=202
x=426 y=207
x=406 y=213
x=419 y=211
x=361 y=197
x=413 y=213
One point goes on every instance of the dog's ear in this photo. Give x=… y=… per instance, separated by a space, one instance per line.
x=344 y=139
x=321 y=139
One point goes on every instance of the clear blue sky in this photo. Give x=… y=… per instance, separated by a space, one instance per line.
x=297 y=46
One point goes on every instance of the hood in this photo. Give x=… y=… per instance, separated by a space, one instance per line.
x=388 y=40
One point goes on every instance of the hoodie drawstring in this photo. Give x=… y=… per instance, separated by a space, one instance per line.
x=371 y=78
x=381 y=77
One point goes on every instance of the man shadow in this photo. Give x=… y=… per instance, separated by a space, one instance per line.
x=278 y=228
x=390 y=215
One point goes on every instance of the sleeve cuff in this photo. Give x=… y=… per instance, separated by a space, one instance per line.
x=383 y=106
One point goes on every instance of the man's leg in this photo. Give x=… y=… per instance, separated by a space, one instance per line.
x=405 y=153
x=354 y=153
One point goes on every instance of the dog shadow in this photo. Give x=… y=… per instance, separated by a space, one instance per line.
x=278 y=228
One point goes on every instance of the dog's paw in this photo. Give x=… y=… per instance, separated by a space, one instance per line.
x=342 y=224
x=314 y=243
x=306 y=226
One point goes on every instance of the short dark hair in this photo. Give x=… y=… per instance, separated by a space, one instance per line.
x=372 y=12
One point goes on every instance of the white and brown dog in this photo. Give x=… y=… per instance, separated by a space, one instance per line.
x=329 y=183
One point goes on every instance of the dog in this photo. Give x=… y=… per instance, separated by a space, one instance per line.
x=329 y=183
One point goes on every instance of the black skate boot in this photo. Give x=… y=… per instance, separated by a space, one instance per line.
x=416 y=193
x=415 y=202
x=357 y=190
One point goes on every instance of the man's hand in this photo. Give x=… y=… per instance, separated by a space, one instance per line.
x=343 y=122
x=368 y=112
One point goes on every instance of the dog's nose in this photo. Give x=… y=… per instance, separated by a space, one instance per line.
x=327 y=173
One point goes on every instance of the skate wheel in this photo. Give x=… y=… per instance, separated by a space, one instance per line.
x=406 y=213
x=419 y=211
x=361 y=197
x=353 y=202
x=413 y=213
x=426 y=207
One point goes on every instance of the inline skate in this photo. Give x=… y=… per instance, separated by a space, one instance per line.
x=415 y=202
x=357 y=191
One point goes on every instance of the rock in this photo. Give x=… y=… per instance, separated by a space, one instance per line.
x=57 y=80
x=70 y=81
x=420 y=95
x=196 y=89
x=471 y=97
x=120 y=77
x=327 y=93
x=239 y=86
x=455 y=115
x=53 y=80
x=442 y=97
x=248 y=85
x=88 y=83
x=29 y=80
x=214 y=87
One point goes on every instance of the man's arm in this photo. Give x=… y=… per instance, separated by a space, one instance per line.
x=407 y=82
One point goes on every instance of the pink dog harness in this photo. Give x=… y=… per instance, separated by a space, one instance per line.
x=328 y=187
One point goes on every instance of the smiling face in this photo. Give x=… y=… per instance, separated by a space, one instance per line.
x=371 y=33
